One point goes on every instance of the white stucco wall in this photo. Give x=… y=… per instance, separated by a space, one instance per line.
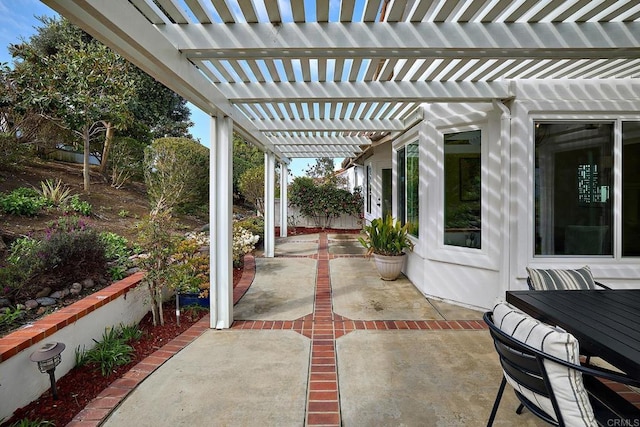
x=473 y=277
x=20 y=380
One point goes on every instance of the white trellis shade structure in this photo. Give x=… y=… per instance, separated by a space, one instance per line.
x=323 y=78
x=329 y=78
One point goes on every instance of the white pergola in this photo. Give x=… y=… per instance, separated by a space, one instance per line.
x=325 y=78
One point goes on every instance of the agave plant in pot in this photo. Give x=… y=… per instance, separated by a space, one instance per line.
x=386 y=239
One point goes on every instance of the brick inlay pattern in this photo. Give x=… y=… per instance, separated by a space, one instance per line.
x=99 y=408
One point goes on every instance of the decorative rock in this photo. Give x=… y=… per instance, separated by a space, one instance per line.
x=44 y=292
x=88 y=283
x=76 y=288
x=102 y=281
x=60 y=294
x=31 y=304
x=4 y=302
x=131 y=271
x=41 y=311
x=46 y=301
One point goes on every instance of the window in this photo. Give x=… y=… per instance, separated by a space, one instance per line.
x=630 y=189
x=408 y=186
x=462 y=184
x=368 y=185
x=573 y=187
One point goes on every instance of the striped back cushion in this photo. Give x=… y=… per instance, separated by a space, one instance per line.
x=568 y=388
x=545 y=280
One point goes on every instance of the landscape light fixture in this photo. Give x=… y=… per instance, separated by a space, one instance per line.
x=48 y=357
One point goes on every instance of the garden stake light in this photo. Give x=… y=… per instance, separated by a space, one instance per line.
x=48 y=357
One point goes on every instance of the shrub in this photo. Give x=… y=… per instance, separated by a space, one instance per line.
x=323 y=202
x=22 y=201
x=243 y=243
x=76 y=205
x=251 y=186
x=254 y=224
x=190 y=267
x=10 y=150
x=115 y=246
x=22 y=262
x=125 y=161
x=70 y=241
x=56 y=193
x=112 y=351
x=176 y=172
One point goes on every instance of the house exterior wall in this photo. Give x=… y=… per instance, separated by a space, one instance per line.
x=381 y=159
x=476 y=277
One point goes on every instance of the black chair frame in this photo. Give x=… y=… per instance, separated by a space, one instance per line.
x=525 y=365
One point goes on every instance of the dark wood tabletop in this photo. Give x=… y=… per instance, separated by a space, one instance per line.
x=606 y=323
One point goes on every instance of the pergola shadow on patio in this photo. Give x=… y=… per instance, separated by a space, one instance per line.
x=319 y=339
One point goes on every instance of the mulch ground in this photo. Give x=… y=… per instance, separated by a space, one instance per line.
x=82 y=384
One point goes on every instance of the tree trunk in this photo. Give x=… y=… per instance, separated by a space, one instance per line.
x=85 y=171
x=107 y=147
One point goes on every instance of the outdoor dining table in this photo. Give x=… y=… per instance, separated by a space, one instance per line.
x=606 y=323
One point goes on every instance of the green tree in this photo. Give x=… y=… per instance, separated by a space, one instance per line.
x=176 y=172
x=251 y=187
x=323 y=201
x=154 y=111
x=83 y=88
x=323 y=171
x=245 y=156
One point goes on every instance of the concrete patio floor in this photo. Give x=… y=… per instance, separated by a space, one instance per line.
x=319 y=339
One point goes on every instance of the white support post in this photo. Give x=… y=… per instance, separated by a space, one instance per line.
x=220 y=222
x=284 y=201
x=269 y=204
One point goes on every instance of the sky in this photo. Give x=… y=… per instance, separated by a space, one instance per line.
x=17 y=21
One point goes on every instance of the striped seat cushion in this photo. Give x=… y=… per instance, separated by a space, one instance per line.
x=568 y=388
x=544 y=280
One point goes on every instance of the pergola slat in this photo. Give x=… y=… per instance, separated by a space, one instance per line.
x=397 y=11
x=346 y=10
x=297 y=9
x=421 y=10
x=222 y=9
x=174 y=11
x=273 y=10
x=322 y=10
x=246 y=6
x=150 y=11
x=202 y=66
x=371 y=11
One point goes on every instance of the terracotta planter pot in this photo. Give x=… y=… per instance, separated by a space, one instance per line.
x=389 y=267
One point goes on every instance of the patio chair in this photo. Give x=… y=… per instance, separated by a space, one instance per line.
x=562 y=279
x=551 y=383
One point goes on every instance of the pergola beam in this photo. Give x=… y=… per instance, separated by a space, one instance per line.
x=344 y=125
x=391 y=91
x=326 y=140
x=407 y=40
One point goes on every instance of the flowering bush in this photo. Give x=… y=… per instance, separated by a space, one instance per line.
x=190 y=265
x=243 y=243
x=70 y=245
x=323 y=202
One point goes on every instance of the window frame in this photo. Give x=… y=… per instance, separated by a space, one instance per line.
x=616 y=193
x=488 y=256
